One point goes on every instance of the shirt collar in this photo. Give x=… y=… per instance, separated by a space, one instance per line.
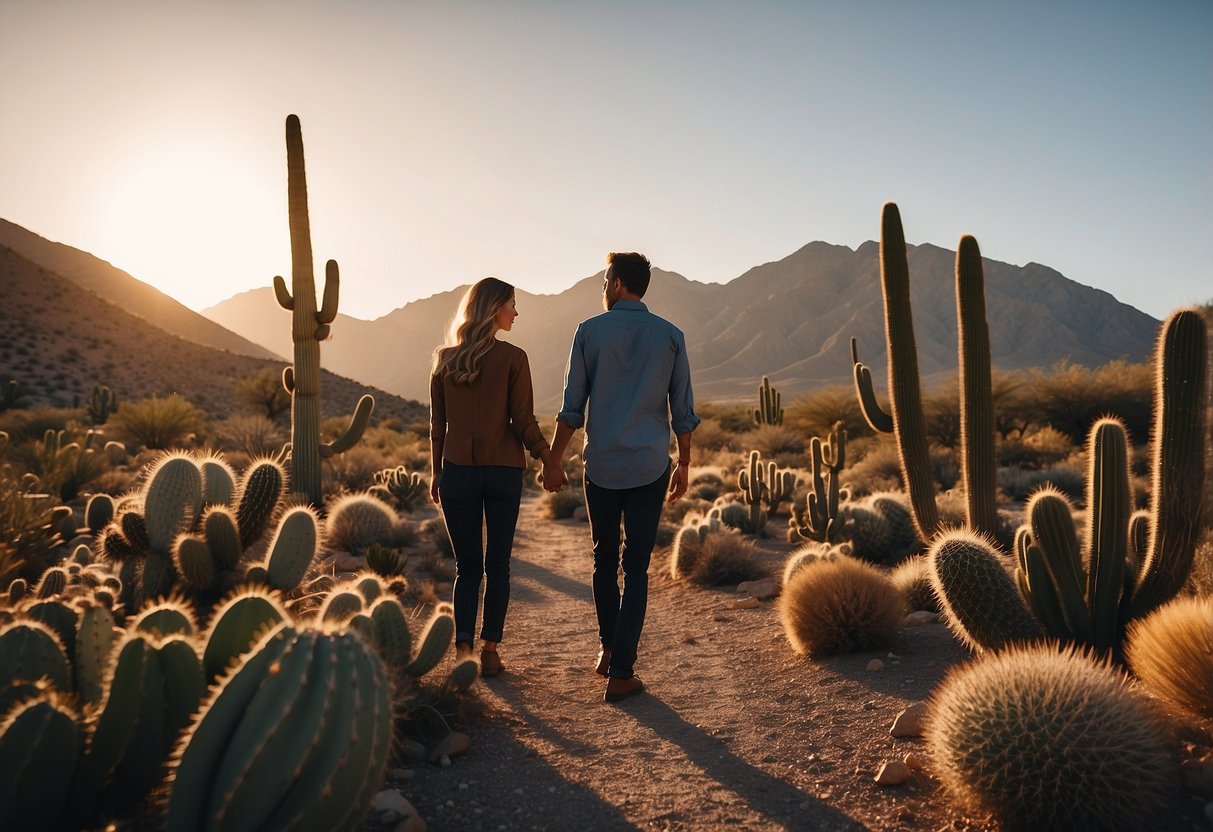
x=632 y=305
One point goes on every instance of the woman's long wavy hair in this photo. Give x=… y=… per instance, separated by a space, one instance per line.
x=472 y=331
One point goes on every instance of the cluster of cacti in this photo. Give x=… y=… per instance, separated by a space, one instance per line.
x=876 y=528
x=820 y=520
x=65 y=465
x=309 y=326
x=768 y=411
x=1043 y=738
x=689 y=541
x=763 y=488
x=400 y=488
x=101 y=403
x=1053 y=595
x=193 y=525
x=837 y=604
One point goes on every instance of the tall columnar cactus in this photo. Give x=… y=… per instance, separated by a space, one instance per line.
x=1178 y=480
x=309 y=326
x=101 y=403
x=768 y=411
x=906 y=422
x=755 y=491
x=822 y=520
x=976 y=391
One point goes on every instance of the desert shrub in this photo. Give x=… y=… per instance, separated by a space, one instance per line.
x=726 y=558
x=33 y=423
x=876 y=470
x=677 y=512
x=1071 y=397
x=434 y=531
x=815 y=413
x=158 y=423
x=263 y=392
x=1017 y=484
x=734 y=418
x=839 y=606
x=941 y=414
x=778 y=443
x=1171 y=651
x=945 y=469
x=710 y=435
x=562 y=504
x=355 y=521
x=351 y=471
x=250 y=433
x=913 y=579
x=64 y=461
x=1029 y=736
x=26 y=535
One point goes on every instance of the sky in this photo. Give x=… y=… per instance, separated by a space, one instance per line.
x=448 y=141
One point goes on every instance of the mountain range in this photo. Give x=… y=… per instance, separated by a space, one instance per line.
x=791 y=320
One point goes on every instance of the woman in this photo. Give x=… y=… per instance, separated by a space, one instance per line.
x=482 y=416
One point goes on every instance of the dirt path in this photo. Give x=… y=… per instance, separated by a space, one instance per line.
x=735 y=730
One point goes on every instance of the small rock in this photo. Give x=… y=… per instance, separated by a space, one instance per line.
x=721 y=617
x=580 y=514
x=390 y=800
x=909 y=722
x=764 y=589
x=893 y=773
x=452 y=745
x=914 y=761
x=875 y=666
x=893 y=657
x=412 y=750
x=403 y=773
x=689 y=639
x=744 y=604
x=869 y=705
x=444 y=761
x=918 y=618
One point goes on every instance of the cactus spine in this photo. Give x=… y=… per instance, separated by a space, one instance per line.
x=309 y=326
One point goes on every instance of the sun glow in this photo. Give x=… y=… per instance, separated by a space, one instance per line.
x=194 y=221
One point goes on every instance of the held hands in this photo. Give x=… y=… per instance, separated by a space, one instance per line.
x=553 y=476
x=678 y=482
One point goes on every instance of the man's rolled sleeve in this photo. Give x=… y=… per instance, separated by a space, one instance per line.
x=682 y=401
x=576 y=385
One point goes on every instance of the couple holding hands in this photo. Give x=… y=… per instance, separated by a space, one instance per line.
x=629 y=369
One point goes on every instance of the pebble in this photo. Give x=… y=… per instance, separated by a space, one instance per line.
x=452 y=745
x=919 y=618
x=391 y=805
x=721 y=617
x=764 y=589
x=914 y=761
x=893 y=773
x=909 y=722
x=875 y=666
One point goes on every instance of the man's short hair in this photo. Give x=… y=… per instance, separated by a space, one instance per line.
x=632 y=269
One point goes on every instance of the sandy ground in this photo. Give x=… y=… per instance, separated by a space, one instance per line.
x=734 y=731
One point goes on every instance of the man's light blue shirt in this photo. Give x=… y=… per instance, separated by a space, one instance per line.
x=631 y=367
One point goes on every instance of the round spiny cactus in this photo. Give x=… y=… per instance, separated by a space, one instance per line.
x=806 y=554
x=686 y=548
x=293 y=548
x=1171 y=652
x=356 y=521
x=1049 y=739
x=839 y=606
x=172 y=499
x=218 y=481
x=913 y=578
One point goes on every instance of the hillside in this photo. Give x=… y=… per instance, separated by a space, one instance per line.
x=59 y=340
x=791 y=319
x=135 y=296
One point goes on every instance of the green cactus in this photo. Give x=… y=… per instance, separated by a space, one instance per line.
x=298 y=732
x=222 y=537
x=95 y=637
x=980 y=601
x=17 y=590
x=392 y=634
x=906 y=422
x=356 y=521
x=1049 y=739
x=101 y=403
x=340 y=605
x=29 y=651
x=463 y=675
x=61 y=617
x=293 y=548
x=435 y=641
x=1178 y=478
x=400 y=488
x=309 y=326
x=194 y=563
x=977 y=398
x=821 y=520
x=98 y=512
x=169 y=617
x=39 y=744
x=218 y=481
x=52 y=583
x=260 y=491
x=171 y=501
x=237 y=624
x=755 y=493
x=768 y=411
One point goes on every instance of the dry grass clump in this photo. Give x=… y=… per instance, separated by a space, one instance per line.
x=776 y=442
x=839 y=606
x=913 y=580
x=726 y=558
x=1171 y=651
x=562 y=504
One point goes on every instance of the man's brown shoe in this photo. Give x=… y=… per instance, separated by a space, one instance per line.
x=618 y=689
x=490 y=663
x=604 y=662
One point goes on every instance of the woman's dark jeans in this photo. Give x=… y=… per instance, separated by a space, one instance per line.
x=470 y=495
x=620 y=620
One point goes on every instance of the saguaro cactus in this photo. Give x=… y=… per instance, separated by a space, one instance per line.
x=768 y=411
x=309 y=326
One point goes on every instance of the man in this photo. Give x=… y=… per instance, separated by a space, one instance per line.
x=631 y=367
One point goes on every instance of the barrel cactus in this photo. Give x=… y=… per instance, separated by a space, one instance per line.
x=839 y=605
x=355 y=521
x=1171 y=652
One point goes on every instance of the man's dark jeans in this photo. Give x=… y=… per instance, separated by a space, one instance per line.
x=470 y=495
x=620 y=620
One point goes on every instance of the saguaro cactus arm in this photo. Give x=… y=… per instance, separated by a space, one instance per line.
x=357 y=426
x=873 y=413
